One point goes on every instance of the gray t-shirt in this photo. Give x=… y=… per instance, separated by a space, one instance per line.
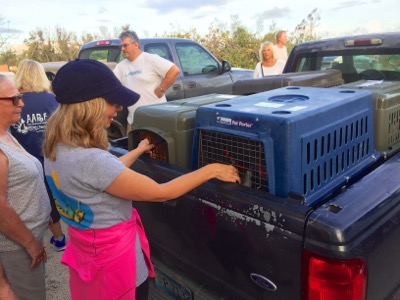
x=26 y=194
x=80 y=176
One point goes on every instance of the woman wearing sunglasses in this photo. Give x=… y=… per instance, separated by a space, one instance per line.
x=24 y=204
x=39 y=104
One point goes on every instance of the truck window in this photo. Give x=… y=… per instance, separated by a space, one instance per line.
x=328 y=62
x=353 y=65
x=304 y=65
x=99 y=55
x=317 y=63
x=103 y=54
x=195 y=60
x=159 y=49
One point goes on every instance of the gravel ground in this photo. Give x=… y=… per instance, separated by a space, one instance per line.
x=56 y=274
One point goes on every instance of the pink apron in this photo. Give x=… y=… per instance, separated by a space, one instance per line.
x=102 y=262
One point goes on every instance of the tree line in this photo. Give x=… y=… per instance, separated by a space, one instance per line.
x=232 y=42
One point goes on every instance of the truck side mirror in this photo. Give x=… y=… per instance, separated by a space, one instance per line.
x=226 y=66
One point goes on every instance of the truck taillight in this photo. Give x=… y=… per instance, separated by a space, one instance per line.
x=103 y=43
x=363 y=42
x=327 y=279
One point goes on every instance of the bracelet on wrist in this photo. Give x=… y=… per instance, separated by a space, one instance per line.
x=161 y=89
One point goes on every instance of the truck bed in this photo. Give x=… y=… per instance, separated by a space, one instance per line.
x=220 y=234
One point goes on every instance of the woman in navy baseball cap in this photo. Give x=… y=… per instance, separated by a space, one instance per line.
x=108 y=253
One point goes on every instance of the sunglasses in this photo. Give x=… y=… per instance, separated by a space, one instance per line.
x=125 y=45
x=15 y=99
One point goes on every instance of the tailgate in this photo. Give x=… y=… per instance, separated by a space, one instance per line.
x=363 y=222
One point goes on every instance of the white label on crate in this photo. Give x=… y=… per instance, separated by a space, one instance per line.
x=232 y=122
x=224 y=121
x=296 y=108
x=269 y=104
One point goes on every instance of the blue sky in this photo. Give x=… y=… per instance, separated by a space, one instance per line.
x=149 y=17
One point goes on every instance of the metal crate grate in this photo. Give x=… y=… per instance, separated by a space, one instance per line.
x=394 y=128
x=334 y=153
x=246 y=155
x=159 y=152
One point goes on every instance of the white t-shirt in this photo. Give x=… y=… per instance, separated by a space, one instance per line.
x=143 y=75
x=280 y=53
x=274 y=70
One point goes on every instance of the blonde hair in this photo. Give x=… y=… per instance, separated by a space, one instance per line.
x=76 y=125
x=31 y=77
x=263 y=45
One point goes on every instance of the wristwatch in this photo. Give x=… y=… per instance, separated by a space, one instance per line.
x=161 y=89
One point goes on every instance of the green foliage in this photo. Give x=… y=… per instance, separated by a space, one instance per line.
x=237 y=44
x=244 y=48
x=216 y=40
x=233 y=42
x=305 y=31
x=66 y=45
x=42 y=47
x=8 y=57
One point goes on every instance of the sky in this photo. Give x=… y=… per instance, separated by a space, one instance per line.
x=151 y=17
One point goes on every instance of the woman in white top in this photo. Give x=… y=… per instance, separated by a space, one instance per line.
x=268 y=64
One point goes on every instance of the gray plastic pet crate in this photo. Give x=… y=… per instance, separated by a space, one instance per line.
x=300 y=141
x=324 y=79
x=386 y=110
x=170 y=127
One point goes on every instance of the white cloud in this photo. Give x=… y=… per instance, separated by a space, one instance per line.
x=103 y=10
x=151 y=17
x=373 y=26
x=190 y=6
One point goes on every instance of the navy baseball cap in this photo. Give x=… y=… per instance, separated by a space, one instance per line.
x=81 y=80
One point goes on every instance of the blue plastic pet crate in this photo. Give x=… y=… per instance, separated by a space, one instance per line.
x=303 y=141
x=386 y=110
x=170 y=127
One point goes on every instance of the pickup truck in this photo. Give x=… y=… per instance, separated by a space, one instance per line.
x=201 y=73
x=317 y=213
